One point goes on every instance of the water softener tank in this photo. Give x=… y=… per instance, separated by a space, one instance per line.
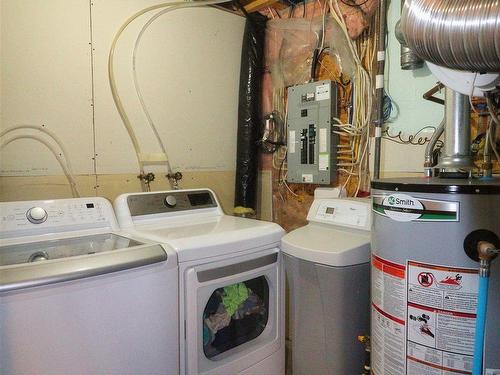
x=327 y=264
x=424 y=287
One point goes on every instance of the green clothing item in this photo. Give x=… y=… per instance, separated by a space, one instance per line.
x=233 y=296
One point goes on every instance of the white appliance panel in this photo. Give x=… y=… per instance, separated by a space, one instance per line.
x=114 y=324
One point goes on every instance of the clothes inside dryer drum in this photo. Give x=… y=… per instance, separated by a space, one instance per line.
x=223 y=331
x=234 y=295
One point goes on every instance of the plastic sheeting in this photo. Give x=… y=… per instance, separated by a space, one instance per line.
x=249 y=115
x=291 y=44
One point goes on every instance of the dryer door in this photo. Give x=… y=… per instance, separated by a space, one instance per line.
x=233 y=313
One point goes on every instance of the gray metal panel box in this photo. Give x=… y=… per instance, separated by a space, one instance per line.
x=312 y=155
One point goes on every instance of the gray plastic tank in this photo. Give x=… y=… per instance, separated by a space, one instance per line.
x=424 y=285
x=328 y=274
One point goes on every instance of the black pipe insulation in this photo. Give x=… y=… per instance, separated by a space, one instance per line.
x=249 y=114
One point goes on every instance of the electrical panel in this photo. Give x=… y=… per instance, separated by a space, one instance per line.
x=312 y=146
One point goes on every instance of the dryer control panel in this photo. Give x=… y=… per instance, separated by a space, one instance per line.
x=170 y=202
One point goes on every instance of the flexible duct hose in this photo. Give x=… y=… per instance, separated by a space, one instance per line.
x=458 y=34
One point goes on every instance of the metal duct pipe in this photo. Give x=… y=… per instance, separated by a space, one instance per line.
x=457 y=155
x=408 y=60
x=458 y=34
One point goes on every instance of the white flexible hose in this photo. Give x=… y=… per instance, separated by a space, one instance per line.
x=71 y=180
x=111 y=74
x=46 y=131
x=136 y=80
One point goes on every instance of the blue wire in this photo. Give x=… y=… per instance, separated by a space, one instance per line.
x=387 y=107
x=482 y=303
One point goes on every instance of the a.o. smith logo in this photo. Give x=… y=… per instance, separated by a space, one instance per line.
x=403 y=207
x=397 y=201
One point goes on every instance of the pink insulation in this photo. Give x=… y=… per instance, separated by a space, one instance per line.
x=357 y=17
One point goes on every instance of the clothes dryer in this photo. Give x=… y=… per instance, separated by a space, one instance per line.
x=230 y=278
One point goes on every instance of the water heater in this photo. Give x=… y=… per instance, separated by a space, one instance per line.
x=424 y=286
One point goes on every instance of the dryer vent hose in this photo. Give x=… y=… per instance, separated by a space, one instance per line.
x=458 y=34
x=249 y=115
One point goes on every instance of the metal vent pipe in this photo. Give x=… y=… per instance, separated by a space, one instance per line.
x=457 y=155
x=409 y=60
x=458 y=34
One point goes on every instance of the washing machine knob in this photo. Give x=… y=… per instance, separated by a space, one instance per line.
x=170 y=201
x=36 y=215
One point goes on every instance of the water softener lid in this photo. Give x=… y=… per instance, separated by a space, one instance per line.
x=439 y=185
x=325 y=245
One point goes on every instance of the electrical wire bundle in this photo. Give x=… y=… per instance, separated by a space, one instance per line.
x=494 y=124
x=353 y=154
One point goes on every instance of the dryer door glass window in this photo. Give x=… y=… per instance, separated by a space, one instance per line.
x=234 y=315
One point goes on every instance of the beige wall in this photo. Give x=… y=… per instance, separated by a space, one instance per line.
x=110 y=186
x=54 y=73
x=188 y=66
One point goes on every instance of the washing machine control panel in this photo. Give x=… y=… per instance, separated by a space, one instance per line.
x=170 y=202
x=353 y=213
x=54 y=215
x=36 y=215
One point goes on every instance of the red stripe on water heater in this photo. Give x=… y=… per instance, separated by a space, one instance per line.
x=442 y=268
x=393 y=269
x=389 y=316
x=437 y=366
x=441 y=311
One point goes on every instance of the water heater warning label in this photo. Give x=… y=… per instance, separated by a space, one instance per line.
x=388 y=317
x=440 y=319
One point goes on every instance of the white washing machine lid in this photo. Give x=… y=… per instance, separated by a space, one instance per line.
x=205 y=237
x=323 y=244
x=77 y=238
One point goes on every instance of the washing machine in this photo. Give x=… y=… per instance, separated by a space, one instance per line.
x=230 y=279
x=79 y=297
x=327 y=265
